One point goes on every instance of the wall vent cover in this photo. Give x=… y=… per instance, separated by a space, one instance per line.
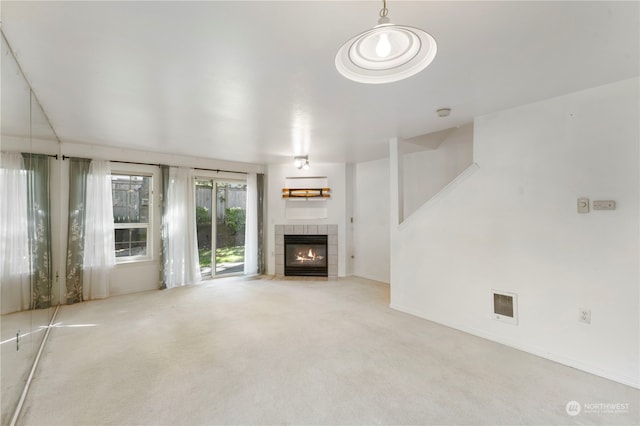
x=505 y=306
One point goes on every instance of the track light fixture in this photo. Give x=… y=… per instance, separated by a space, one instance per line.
x=301 y=162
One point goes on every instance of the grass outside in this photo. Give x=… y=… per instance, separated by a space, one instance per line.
x=223 y=255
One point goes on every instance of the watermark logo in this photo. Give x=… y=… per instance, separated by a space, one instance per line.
x=573 y=408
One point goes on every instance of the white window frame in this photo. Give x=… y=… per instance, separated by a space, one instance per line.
x=216 y=177
x=134 y=170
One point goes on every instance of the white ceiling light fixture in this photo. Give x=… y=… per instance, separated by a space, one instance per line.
x=386 y=53
x=301 y=162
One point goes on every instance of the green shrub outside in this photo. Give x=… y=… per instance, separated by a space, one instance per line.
x=234 y=218
x=202 y=215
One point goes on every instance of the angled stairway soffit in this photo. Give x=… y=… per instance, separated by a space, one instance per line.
x=426 y=142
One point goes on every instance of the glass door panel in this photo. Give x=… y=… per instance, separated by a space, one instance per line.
x=231 y=205
x=220 y=218
x=204 y=210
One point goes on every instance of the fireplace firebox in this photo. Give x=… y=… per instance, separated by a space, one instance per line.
x=305 y=255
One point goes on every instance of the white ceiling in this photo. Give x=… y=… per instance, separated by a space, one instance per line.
x=256 y=82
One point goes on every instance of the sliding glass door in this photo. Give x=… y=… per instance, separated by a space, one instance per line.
x=220 y=216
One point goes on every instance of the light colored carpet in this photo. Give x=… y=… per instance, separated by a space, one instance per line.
x=241 y=351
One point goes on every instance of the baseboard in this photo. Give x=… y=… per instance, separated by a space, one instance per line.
x=371 y=278
x=561 y=359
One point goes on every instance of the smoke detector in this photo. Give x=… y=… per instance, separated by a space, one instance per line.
x=444 y=112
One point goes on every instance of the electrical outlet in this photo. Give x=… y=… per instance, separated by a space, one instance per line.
x=584 y=315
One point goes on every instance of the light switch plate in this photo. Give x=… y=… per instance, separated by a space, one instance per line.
x=583 y=205
x=604 y=205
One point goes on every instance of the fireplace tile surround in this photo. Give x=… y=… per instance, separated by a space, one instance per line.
x=331 y=231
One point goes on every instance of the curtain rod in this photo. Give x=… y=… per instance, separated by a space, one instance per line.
x=64 y=157
x=35 y=153
x=48 y=155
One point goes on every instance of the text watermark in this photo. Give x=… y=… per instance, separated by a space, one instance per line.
x=574 y=408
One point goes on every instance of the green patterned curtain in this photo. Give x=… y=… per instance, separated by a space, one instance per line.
x=261 y=253
x=39 y=225
x=164 y=240
x=78 y=171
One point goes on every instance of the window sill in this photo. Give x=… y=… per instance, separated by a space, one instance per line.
x=133 y=262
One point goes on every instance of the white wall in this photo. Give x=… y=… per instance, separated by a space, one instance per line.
x=427 y=172
x=350 y=177
x=336 y=206
x=512 y=225
x=371 y=220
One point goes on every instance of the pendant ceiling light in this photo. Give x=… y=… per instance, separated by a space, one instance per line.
x=386 y=53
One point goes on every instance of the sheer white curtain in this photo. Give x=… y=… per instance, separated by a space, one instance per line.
x=14 y=234
x=99 y=254
x=181 y=257
x=251 y=227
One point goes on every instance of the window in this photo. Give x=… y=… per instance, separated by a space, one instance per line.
x=131 y=216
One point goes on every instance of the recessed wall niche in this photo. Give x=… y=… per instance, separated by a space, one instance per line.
x=306 y=208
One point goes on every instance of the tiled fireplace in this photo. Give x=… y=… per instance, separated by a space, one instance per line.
x=308 y=261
